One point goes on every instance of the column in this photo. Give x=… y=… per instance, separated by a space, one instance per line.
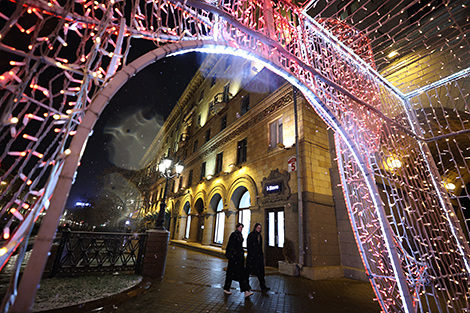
x=230 y=222
x=208 y=229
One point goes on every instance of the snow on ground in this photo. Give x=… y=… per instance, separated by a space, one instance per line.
x=60 y=292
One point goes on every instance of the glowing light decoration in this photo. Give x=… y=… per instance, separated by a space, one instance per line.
x=388 y=126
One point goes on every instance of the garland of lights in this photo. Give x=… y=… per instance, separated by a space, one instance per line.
x=60 y=56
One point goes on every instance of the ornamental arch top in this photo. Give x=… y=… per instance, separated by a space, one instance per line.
x=71 y=58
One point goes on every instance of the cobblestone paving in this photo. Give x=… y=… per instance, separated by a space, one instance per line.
x=193 y=283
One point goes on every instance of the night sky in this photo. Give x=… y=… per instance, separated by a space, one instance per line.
x=131 y=120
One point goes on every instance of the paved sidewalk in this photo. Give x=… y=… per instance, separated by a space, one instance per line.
x=193 y=283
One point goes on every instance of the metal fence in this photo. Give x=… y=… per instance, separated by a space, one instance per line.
x=87 y=252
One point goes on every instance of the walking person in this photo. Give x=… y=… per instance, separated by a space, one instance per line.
x=255 y=258
x=236 y=263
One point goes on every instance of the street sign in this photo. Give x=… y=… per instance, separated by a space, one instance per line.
x=292 y=164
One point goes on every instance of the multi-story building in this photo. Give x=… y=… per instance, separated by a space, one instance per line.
x=234 y=130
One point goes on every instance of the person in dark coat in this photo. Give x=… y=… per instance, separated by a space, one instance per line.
x=255 y=258
x=236 y=263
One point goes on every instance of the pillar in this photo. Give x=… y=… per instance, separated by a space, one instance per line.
x=155 y=253
x=208 y=235
x=230 y=222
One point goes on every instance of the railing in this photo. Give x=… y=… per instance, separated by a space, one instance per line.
x=87 y=252
x=220 y=102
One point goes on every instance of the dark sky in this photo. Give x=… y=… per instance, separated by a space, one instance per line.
x=130 y=121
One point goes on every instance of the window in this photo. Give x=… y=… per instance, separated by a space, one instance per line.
x=195 y=146
x=241 y=151
x=188 y=224
x=199 y=120
x=213 y=81
x=190 y=178
x=201 y=96
x=226 y=92
x=218 y=162
x=219 y=223
x=223 y=122
x=208 y=135
x=275 y=133
x=245 y=104
x=346 y=10
x=203 y=171
x=244 y=215
x=180 y=183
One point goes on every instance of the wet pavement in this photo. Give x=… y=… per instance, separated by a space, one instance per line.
x=193 y=283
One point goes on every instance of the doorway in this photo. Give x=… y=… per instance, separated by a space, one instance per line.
x=276 y=237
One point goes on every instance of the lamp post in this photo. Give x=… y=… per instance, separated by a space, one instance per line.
x=165 y=168
x=157 y=240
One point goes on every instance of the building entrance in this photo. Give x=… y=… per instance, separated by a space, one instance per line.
x=275 y=235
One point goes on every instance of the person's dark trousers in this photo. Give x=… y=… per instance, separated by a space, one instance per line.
x=228 y=283
x=262 y=282
x=244 y=285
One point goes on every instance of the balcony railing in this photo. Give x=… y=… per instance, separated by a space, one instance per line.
x=220 y=102
x=85 y=252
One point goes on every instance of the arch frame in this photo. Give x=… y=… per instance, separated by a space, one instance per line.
x=103 y=97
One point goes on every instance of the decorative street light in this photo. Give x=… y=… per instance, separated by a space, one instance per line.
x=165 y=168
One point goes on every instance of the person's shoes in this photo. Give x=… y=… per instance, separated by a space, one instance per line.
x=265 y=288
x=248 y=293
x=227 y=292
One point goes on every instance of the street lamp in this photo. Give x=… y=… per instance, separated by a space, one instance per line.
x=165 y=168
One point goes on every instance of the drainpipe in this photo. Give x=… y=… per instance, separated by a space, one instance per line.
x=299 y=185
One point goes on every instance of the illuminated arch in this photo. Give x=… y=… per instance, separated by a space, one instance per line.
x=219 y=189
x=187 y=199
x=201 y=194
x=288 y=48
x=249 y=184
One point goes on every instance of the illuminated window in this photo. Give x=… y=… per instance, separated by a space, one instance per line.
x=241 y=151
x=219 y=223
x=244 y=215
x=275 y=133
x=188 y=224
x=280 y=229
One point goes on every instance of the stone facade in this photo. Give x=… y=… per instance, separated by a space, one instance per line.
x=256 y=108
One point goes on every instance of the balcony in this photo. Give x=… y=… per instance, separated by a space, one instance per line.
x=183 y=139
x=220 y=102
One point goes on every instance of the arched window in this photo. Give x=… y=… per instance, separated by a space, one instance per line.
x=219 y=223
x=244 y=215
x=188 y=224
